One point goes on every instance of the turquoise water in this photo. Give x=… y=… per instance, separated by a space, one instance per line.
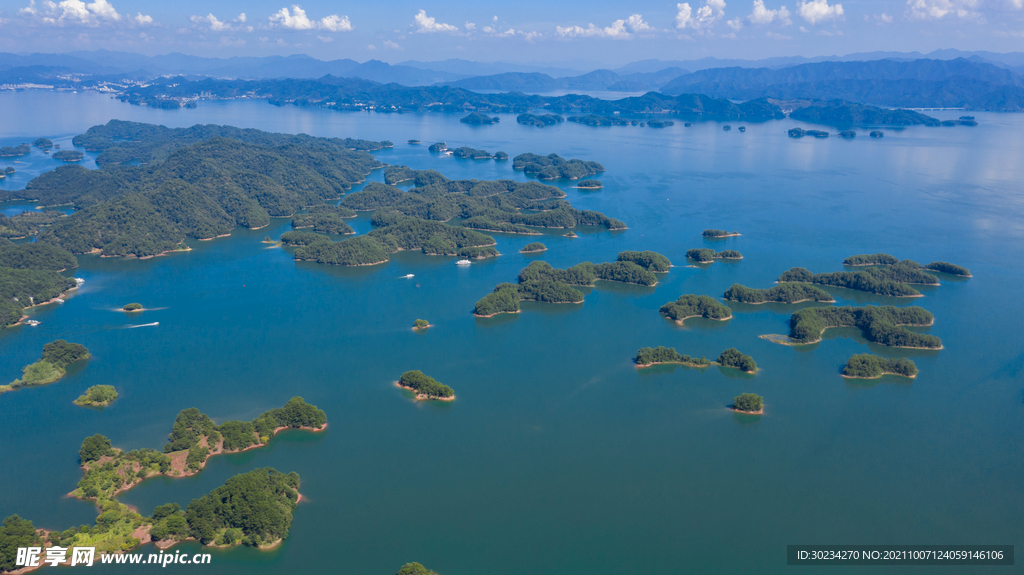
x=558 y=455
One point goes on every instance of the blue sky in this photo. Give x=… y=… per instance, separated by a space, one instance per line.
x=526 y=30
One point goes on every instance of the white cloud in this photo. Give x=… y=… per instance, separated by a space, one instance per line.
x=938 y=9
x=426 y=24
x=296 y=19
x=531 y=36
x=762 y=15
x=333 y=23
x=392 y=45
x=703 y=18
x=777 y=36
x=470 y=26
x=371 y=47
x=324 y=39
x=619 y=29
x=735 y=23
x=79 y=13
x=879 y=19
x=216 y=25
x=818 y=11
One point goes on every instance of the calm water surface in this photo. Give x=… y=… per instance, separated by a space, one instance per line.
x=559 y=456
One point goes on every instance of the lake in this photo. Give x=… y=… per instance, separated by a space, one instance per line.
x=559 y=456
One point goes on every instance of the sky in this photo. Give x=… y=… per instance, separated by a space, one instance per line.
x=611 y=33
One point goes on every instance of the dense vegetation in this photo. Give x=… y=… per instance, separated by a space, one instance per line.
x=553 y=166
x=68 y=156
x=253 y=508
x=97 y=396
x=748 y=402
x=36 y=256
x=877 y=134
x=132 y=307
x=539 y=120
x=533 y=247
x=709 y=233
x=590 y=185
x=948 y=268
x=198 y=433
x=14 y=151
x=421 y=324
x=782 y=293
x=488 y=225
x=325 y=219
x=504 y=299
x=437 y=147
x=651 y=355
x=871 y=281
x=468 y=153
x=16 y=532
x=425 y=386
x=706 y=255
x=625 y=272
x=870 y=260
x=688 y=306
x=479 y=118
x=415 y=569
x=660 y=123
x=396 y=174
x=43 y=143
x=198 y=182
x=23 y=288
x=359 y=251
x=478 y=253
x=57 y=355
x=868 y=366
x=650 y=261
x=800 y=133
x=882 y=325
x=733 y=358
x=27 y=223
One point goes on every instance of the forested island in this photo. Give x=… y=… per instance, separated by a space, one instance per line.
x=465 y=152
x=414 y=219
x=43 y=143
x=800 y=133
x=717 y=234
x=647 y=356
x=883 y=325
x=57 y=355
x=877 y=134
x=890 y=280
x=909 y=266
x=27 y=223
x=199 y=182
x=133 y=307
x=480 y=118
x=539 y=120
x=749 y=403
x=539 y=281
x=690 y=305
x=253 y=508
x=868 y=366
x=415 y=569
x=660 y=123
x=782 y=293
x=590 y=185
x=420 y=324
x=425 y=386
x=97 y=396
x=842 y=113
x=706 y=255
x=14 y=151
x=325 y=219
x=532 y=248
x=68 y=156
x=553 y=166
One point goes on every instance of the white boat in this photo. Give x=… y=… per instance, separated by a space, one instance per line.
x=463 y=263
x=407 y=276
x=32 y=322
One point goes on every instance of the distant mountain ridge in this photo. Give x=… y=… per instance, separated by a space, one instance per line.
x=916 y=83
x=533 y=82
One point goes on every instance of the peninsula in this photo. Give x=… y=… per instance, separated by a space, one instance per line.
x=705 y=255
x=425 y=386
x=883 y=325
x=690 y=305
x=868 y=366
x=57 y=355
x=553 y=166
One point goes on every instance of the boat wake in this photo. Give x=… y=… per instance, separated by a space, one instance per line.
x=142 y=325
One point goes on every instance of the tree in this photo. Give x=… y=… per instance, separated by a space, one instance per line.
x=421 y=323
x=748 y=402
x=95 y=447
x=16 y=532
